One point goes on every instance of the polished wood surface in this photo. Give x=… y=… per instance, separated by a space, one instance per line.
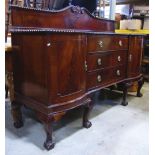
x=103 y=77
x=107 y=42
x=71 y=17
x=135 y=55
x=63 y=57
x=106 y=59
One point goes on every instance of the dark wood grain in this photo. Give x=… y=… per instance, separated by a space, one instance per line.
x=66 y=62
x=66 y=55
x=106 y=59
x=71 y=17
x=108 y=75
x=135 y=55
x=107 y=42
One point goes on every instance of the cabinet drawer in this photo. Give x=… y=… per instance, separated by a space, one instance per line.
x=107 y=59
x=105 y=76
x=106 y=42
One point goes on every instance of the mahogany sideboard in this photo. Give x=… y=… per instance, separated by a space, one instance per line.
x=63 y=57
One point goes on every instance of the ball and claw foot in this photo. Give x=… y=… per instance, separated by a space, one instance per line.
x=49 y=145
x=18 y=124
x=139 y=94
x=87 y=124
x=124 y=103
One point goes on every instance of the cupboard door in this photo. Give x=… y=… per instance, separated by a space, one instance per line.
x=29 y=65
x=135 y=55
x=66 y=66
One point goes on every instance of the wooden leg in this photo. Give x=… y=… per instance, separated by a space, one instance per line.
x=6 y=91
x=49 y=144
x=47 y=121
x=87 y=109
x=140 y=84
x=16 y=114
x=10 y=86
x=125 y=92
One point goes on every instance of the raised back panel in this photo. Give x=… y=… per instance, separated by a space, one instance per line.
x=68 y=18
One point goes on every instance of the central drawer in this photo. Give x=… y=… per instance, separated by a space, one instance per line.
x=104 y=77
x=107 y=59
x=106 y=43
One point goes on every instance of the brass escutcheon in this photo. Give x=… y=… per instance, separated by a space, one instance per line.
x=100 y=43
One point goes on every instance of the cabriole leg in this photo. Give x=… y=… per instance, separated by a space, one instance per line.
x=87 y=109
x=6 y=91
x=49 y=144
x=16 y=114
x=47 y=122
x=125 y=92
x=140 y=84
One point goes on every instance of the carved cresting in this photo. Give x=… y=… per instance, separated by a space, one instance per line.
x=77 y=10
x=70 y=2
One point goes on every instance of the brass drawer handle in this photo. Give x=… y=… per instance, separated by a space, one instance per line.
x=100 y=43
x=48 y=44
x=119 y=58
x=118 y=73
x=130 y=57
x=99 y=78
x=120 y=43
x=99 y=61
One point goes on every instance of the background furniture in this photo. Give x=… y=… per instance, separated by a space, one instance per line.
x=63 y=57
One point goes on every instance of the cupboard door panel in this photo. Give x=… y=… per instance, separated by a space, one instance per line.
x=29 y=67
x=135 y=55
x=66 y=61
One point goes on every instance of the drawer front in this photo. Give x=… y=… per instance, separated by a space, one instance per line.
x=106 y=43
x=105 y=76
x=106 y=60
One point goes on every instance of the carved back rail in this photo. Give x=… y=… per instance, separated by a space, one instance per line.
x=71 y=17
